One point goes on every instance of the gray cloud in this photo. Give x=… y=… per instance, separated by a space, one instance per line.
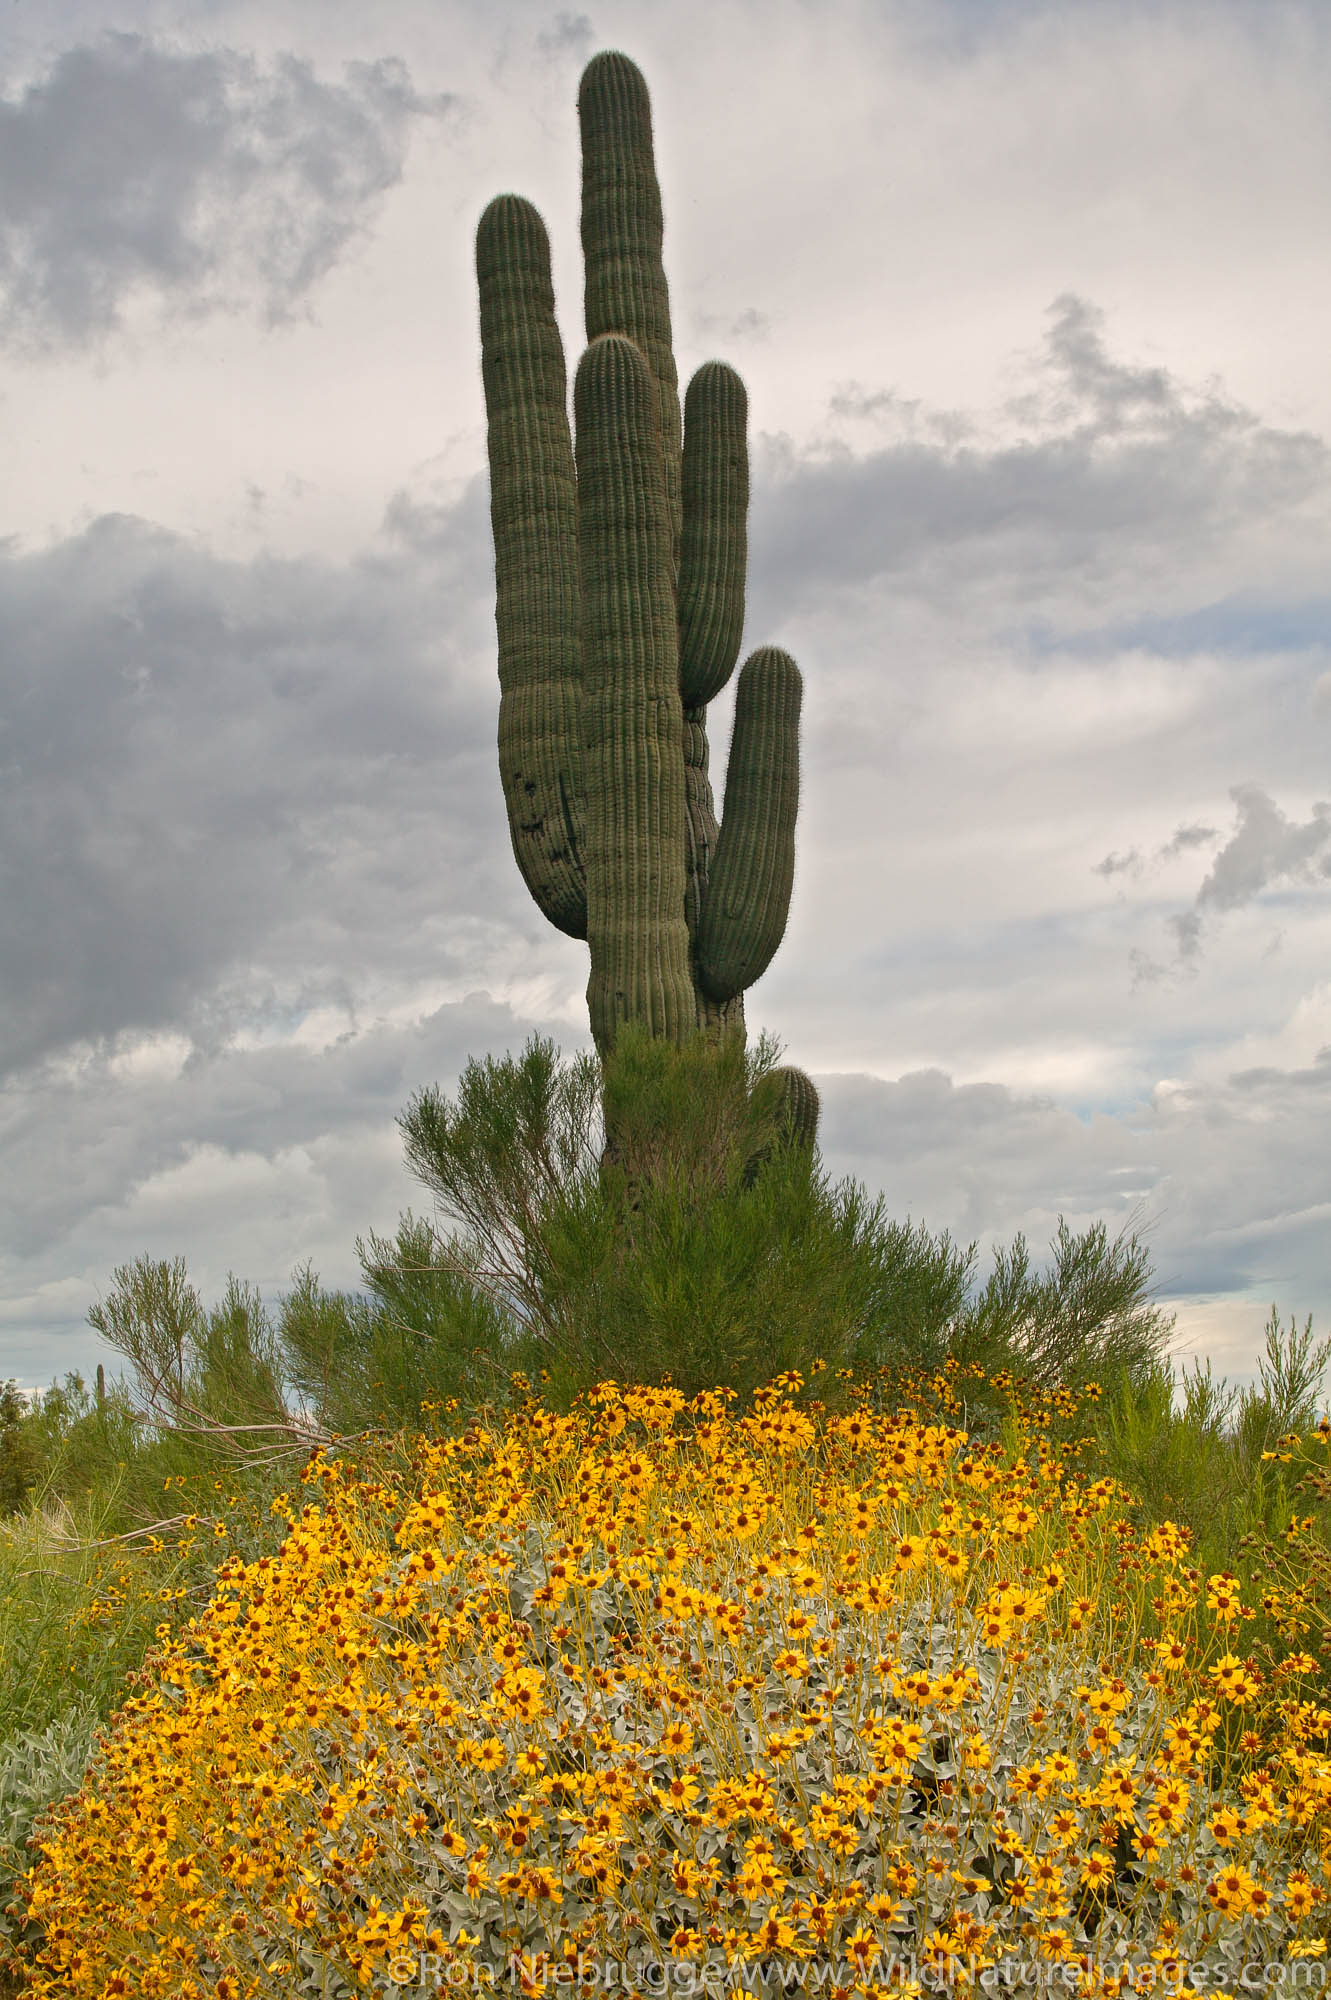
x=117 y=1129
x=750 y=324
x=1133 y=863
x=1186 y=838
x=1079 y=383
x=902 y=416
x=1216 y=1174
x=1266 y=849
x=1187 y=929
x=196 y=181
x=1130 y=863
x=1113 y=465
x=571 y=38
x=1281 y=1082
x=224 y=781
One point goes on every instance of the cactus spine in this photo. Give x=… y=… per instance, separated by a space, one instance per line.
x=620 y=603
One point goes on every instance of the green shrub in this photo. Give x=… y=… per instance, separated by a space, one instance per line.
x=421 y=1333
x=701 y=1246
x=19 y=1462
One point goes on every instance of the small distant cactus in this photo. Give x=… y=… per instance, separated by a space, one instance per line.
x=620 y=570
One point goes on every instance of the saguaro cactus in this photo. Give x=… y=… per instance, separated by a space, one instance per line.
x=619 y=572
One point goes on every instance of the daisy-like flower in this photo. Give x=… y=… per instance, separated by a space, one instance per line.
x=637 y=1742
x=1260 y=1903
x=1029 y=1781
x=1222 y=1597
x=1299 y=1897
x=1229 y=1891
x=1097 y=1870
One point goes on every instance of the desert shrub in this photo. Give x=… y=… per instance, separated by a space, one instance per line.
x=38 y=1768
x=421 y=1332
x=19 y=1460
x=1286 y=1549
x=1192 y=1446
x=211 y=1376
x=690 y=1686
x=93 y=1452
x=79 y=1608
x=702 y=1244
x=202 y=1402
x=1087 y=1317
x=699 y=1246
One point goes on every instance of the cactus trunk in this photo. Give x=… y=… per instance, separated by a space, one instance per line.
x=619 y=574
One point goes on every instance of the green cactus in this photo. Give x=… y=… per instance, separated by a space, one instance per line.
x=619 y=604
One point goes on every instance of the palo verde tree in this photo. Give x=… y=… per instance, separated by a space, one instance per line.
x=620 y=554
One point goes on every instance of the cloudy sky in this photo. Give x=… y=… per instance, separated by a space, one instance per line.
x=1033 y=303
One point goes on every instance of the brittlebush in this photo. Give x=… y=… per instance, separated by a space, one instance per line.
x=666 y=1685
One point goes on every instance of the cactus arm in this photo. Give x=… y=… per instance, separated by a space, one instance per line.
x=791 y=1098
x=800 y=1105
x=625 y=287
x=632 y=716
x=748 y=893
x=533 y=512
x=712 y=556
x=700 y=836
x=713 y=548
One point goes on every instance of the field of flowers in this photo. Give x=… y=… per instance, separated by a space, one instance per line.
x=682 y=1687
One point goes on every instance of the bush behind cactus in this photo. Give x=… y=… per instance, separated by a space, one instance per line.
x=717 y=1257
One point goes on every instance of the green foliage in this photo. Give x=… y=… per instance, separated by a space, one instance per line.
x=38 y=1768
x=117 y=1523
x=19 y=1460
x=1291 y=1373
x=203 y=1395
x=693 y=1243
x=1198 y=1450
x=1087 y=1316
x=657 y=1252
x=79 y=1444
x=217 y=1372
x=423 y=1332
